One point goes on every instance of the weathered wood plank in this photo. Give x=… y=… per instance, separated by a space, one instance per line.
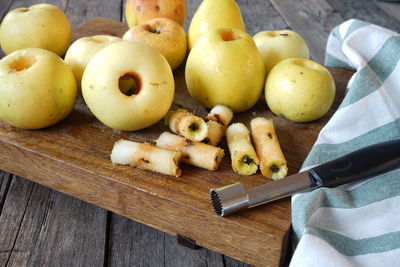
x=312 y=19
x=369 y=12
x=178 y=255
x=79 y=11
x=13 y=212
x=393 y=9
x=5 y=7
x=191 y=9
x=58 y=230
x=261 y=16
x=135 y=243
x=229 y=262
x=122 y=11
x=5 y=180
x=132 y=243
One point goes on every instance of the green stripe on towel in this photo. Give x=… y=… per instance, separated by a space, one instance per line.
x=378 y=69
x=355 y=25
x=326 y=152
x=378 y=189
x=336 y=33
x=351 y=247
x=334 y=61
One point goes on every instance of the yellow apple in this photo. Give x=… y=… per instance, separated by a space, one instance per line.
x=299 y=89
x=164 y=35
x=142 y=105
x=40 y=26
x=225 y=68
x=213 y=14
x=275 y=46
x=82 y=50
x=140 y=11
x=37 y=89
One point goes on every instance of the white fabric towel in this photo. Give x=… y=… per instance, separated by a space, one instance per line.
x=356 y=224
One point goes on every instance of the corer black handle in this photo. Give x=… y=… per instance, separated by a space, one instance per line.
x=360 y=164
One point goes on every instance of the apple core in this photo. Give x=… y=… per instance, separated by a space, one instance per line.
x=23 y=9
x=271 y=33
x=22 y=63
x=130 y=84
x=229 y=35
x=275 y=33
x=98 y=40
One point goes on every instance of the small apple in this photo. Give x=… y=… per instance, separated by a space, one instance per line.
x=300 y=90
x=164 y=35
x=275 y=46
x=225 y=68
x=37 y=89
x=213 y=14
x=140 y=106
x=82 y=50
x=41 y=26
x=140 y=11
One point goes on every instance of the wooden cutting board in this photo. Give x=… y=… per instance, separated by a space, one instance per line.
x=73 y=157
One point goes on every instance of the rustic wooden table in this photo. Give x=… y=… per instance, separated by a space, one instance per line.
x=42 y=227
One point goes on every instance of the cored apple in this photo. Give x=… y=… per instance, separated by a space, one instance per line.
x=225 y=68
x=300 y=90
x=139 y=106
x=37 y=89
x=39 y=26
x=82 y=50
x=275 y=46
x=164 y=35
x=140 y=11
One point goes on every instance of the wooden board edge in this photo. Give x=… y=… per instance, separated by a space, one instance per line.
x=225 y=238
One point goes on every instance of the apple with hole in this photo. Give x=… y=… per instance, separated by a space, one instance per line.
x=164 y=35
x=213 y=14
x=225 y=68
x=300 y=90
x=40 y=26
x=37 y=89
x=140 y=11
x=128 y=109
x=275 y=46
x=82 y=50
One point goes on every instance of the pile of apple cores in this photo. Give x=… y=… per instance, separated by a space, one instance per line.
x=226 y=71
x=194 y=141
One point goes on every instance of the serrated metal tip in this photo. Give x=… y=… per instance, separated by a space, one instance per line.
x=216 y=202
x=229 y=199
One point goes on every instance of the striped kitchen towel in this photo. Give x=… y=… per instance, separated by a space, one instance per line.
x=356 y=224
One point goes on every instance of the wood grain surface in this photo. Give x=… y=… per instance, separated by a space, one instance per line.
x=83 y=222
x=73 y=157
